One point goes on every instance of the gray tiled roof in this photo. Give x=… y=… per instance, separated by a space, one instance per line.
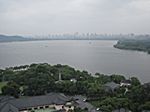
x=24 y=103
x=52 y=98
x=126 y=81
x=5 y=98
x=7 y=107
x=111 y=85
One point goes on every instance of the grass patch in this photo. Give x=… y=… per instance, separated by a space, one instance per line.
x=44 y=110
x=2 y=84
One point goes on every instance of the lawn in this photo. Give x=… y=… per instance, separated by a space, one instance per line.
x=2 y=84
x=45 y=110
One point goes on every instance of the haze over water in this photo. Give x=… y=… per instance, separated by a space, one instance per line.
x=93 y=56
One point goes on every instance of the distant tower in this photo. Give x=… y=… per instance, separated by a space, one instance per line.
x=60 y=77
x=3 y=79
x=129 y=78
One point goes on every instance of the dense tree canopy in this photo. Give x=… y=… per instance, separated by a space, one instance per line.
x=11 y=89
x=39 y=79
x=134 y=44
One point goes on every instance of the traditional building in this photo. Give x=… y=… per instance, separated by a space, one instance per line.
x=125 y=83
x=110 y=86
x=52 y=101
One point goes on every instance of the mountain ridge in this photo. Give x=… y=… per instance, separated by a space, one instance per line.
x=6 y=38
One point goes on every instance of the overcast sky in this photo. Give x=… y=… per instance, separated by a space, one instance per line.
x=69 y=16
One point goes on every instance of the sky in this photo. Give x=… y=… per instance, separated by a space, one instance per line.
x=31 y=17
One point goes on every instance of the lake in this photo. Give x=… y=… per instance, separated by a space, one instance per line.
x=91 y=55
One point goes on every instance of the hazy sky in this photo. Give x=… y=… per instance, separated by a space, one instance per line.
x=69 y=16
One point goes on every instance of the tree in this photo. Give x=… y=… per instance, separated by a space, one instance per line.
x=11 y=89
x=135 y=81
x=136 y=94
x=145 y=106
x=8 y=74
x=39 y=85
x=117 y=78
x=103 y=78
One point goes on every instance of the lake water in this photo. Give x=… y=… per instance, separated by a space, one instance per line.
x=93 y=56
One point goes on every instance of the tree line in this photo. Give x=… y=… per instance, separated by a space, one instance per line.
x=40 y=79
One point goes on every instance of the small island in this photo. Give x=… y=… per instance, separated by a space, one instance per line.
x=134 y=44
x=44 y=87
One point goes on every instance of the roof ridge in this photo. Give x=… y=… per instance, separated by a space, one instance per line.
x=9 y=104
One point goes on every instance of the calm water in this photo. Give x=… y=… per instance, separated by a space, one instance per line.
x=93 y=56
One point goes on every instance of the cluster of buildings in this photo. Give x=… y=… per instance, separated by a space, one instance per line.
x=52 y=102
x=112 y=86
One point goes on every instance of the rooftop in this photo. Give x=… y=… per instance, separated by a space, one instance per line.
x=111 y=85
x=25 y=103
x=126 y=81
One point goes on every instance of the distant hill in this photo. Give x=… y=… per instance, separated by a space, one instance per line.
x=5 y=38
